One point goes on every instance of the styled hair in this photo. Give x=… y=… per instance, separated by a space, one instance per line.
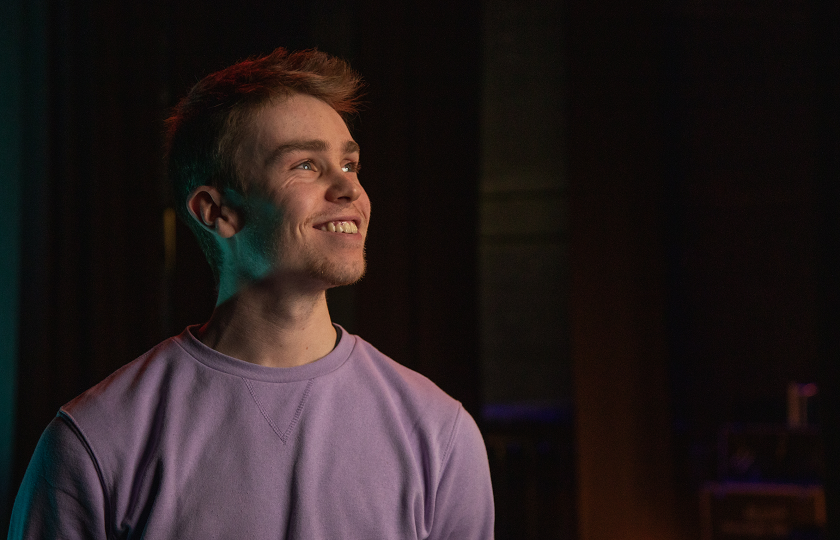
x=205 y=129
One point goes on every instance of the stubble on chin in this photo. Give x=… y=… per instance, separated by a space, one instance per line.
x=336 y=273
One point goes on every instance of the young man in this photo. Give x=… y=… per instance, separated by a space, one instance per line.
x=268 y=421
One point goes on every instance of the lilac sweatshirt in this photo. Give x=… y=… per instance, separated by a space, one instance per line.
x=185 y=442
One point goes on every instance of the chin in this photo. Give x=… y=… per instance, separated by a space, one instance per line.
x=337 y=275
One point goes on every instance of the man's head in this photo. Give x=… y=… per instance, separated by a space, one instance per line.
x=206 y=131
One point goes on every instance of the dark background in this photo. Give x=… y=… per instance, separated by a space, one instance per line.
x=699 y=228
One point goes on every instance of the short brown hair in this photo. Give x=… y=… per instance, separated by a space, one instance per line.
x=205 y=128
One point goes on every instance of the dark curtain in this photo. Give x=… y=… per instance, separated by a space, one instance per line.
x=97 y=290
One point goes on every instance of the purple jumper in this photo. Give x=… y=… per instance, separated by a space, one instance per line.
x=188 y=443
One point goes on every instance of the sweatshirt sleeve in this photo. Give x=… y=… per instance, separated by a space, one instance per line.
x=464 y=501
x=61 y=495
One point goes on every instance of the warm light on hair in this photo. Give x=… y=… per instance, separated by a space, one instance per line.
x=205 y=128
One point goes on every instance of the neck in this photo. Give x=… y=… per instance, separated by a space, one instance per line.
x=270 y=329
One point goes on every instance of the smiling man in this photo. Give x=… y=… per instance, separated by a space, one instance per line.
x=268 y=421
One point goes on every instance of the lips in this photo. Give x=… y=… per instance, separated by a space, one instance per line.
x=339 y=226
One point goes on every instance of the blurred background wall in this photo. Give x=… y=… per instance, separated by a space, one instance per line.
x=609 y=229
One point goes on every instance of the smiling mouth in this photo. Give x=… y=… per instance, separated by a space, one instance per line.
x=346 y=227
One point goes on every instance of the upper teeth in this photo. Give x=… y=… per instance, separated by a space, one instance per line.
x=340 y=226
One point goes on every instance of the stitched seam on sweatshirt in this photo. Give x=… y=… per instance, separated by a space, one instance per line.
x=451 y=442
x=74 y=426
x=263 y=411
x=299 y=411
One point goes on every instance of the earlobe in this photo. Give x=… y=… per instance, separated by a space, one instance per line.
x=206 y=206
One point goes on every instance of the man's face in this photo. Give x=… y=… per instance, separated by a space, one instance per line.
x=306 y=215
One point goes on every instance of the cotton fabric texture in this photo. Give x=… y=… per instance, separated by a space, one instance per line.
x=185 y=442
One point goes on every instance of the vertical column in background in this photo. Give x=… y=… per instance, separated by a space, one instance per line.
x=22 y=147
x=524 y=272
x=11 y=45
x=523 y=208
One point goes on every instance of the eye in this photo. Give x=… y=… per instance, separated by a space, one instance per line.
x=306 y=166
x=353 y=167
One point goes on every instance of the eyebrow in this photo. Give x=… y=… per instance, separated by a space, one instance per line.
x=314 y=145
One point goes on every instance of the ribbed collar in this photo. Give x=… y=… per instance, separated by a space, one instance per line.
x=233 y=366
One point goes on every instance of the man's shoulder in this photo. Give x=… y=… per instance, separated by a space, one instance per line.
x=394 y=371
x=379 y=372
x=135 y=381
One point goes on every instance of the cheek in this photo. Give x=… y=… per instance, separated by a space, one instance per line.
x=297 y=216
x=264 y=213
x=364 y=203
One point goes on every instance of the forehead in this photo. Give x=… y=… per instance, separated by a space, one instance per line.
x=299 y=117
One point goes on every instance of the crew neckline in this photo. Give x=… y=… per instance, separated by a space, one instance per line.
x=213 y=359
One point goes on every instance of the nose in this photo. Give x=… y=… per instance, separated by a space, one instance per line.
x=344 y=188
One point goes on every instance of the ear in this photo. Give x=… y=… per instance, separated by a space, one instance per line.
x=206 y=206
